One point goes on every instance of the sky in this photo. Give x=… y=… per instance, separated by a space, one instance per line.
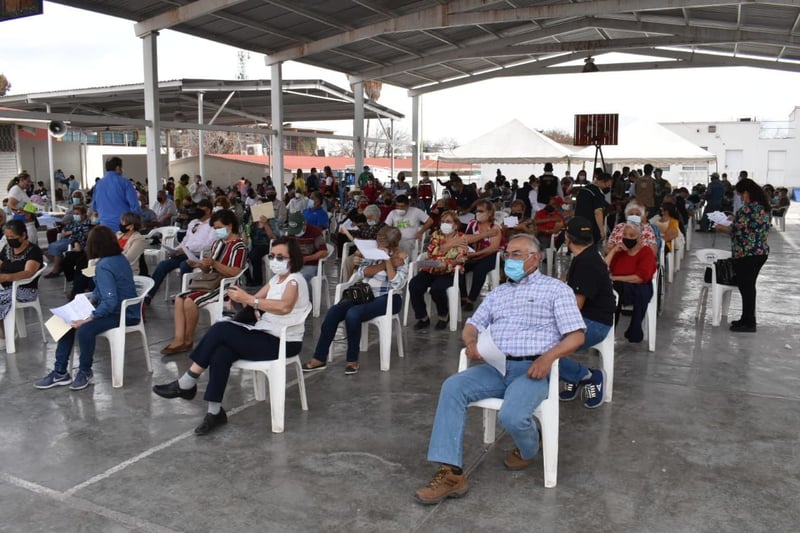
x=67 y=48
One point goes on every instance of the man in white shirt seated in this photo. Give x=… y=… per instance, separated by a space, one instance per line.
x=164 y=209
x=199 y=236
x=411 y=221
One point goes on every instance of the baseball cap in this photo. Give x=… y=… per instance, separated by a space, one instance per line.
x=296 y=222
x=30 y=207
x=580 y=228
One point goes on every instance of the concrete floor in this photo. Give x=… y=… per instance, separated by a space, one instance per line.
x=702 y=435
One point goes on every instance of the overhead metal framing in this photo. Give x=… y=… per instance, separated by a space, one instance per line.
x=232 y=103
x=428 y=45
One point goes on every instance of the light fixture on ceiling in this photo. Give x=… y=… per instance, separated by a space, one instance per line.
x=589 y=65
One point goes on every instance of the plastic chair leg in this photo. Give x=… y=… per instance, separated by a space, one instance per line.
x=399 y=334
x=316 y=294
x=385 y=338
x=550 y=443
x=489 y=425
x=146 y=350
x=22 y=326
x=260 y=385
x=117 y=342
x=701 y=301
x=277 y=396
x=364 y=344
x=301 y=382
x=454 y=307
x=716 y=307
x=9 y=327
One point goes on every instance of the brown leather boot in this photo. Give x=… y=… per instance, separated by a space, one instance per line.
x=445 y=484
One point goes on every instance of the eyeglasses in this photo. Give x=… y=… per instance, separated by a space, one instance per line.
x=480 y=210
x=277 y=257
x=517 y=255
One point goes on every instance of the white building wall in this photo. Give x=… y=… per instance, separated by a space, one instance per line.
x=747 y=146
x=222 y=172
x=33 y=158
x=134 y=162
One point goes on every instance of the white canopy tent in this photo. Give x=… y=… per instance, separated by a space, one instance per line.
x=512 y=143
x=647 y=142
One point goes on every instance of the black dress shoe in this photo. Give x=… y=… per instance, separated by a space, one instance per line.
x=422 y=324
x=442 y=324
x=211 y=422
x=173 y=390
x=744 y=328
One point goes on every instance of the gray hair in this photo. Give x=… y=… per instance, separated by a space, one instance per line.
x=372 y=211
x=533 y=241
x=633 y=204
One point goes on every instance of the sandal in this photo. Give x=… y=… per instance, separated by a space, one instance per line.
x=350 y=369
x=170 y=350
x=314 y=365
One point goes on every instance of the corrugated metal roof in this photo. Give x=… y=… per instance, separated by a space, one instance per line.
x=416 y=43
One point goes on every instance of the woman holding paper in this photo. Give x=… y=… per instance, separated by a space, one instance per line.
x=381 y=275
x=20 y=259
x=283 y=301
x=227 y=258
x=449 y=252
x=749 y=246
x=113 y=283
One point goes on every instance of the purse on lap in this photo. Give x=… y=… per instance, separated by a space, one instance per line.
x=359 y=292
x=204 y=281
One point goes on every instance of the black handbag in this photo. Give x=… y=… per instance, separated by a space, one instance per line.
x=244 y=314
x=359 y=293
x=725 y=273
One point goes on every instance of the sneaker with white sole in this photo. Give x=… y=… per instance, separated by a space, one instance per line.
x=594 y=390
x=82 y=380
x=53 y=379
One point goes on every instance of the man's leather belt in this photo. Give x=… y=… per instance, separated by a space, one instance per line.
x=523 y=358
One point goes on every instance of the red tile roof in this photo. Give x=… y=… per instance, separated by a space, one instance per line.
x=293 y=162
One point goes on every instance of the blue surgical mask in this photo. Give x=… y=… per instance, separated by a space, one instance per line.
x=77 y=218
x=95 y=220
x=221 y=233
x=514 y=269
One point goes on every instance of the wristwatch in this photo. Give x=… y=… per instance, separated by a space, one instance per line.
x=255 y=303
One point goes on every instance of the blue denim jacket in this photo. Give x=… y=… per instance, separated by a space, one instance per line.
x=113 y=281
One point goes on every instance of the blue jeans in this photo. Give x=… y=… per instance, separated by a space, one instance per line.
x=165 y=267
x=569 y=370
x=353 y=316
x=57 y=248
x=521 y=396
x=87 y=338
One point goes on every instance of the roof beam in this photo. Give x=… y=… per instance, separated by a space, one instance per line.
x=454 y=14
x=179 y=15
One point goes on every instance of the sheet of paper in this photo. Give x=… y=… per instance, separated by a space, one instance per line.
x=369 y=249
x=88 y=271
x=490 y=352
x=510 y=222
x=262 y=210
x=466 y=217
x=78 y=309
x=190 y=255
x=57 y=327
x=169 y=249
x=718 y=217
x=348 y=225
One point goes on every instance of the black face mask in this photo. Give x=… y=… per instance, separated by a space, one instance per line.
x=549 y=208
x=606 y=190
x=271 y=197
x=518 y=215
x=630 y=243
x=14 y=243
x=123 y=228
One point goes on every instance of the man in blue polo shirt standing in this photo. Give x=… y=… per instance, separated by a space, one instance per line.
x=114 y=195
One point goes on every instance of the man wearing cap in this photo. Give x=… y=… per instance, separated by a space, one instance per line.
x=549 y=185
x=411 y=221
x=311 y=242
x=588 y=277
x=534 y=320
x=591 y=204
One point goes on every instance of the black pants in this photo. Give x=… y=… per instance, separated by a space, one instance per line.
x=225 y=343
x=480 y=269
x=256 y=256
x=438 y=284
x=638 y=295
x=747 y=269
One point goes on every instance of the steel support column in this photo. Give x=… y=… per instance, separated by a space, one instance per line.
x=152 y=115
x=51 y=166
x=416 y=135
x=276 y=96
x=358 y=127
x=201 y=154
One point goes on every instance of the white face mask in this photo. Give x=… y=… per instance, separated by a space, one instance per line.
x=216 y=208
x=400 y=212
x=297 y=195
x=279 y=268
x=446 y=227
x=481 y=217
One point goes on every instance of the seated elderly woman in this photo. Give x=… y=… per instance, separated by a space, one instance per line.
x=368 y=229
x=227 y=259
x=632 y=266
x=281 y=302
x=445 y=251
x=524 y=224
x=486 y=238
x=19 y=259
x=668 y=224
x=381 y=276
x=635 y=213
x=73 y=235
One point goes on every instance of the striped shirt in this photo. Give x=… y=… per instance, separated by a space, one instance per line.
x=380 y=282
x=529 y=317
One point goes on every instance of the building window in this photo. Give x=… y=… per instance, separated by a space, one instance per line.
x=712 y=129
x=8 y=140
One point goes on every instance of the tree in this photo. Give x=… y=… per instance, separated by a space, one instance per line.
x=443 y=144
x=559 y=136
x=5 y=85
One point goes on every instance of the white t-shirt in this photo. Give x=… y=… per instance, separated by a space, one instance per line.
x=19 y=195
x=409 y=223
x=272 y=323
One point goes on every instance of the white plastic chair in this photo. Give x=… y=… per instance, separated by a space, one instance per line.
x=606 y=350
x=492 y=278
x=689 y=233
x=169 y=237
x=348 y=246
x=720 y=294
x=546 y=413
x=274 y=372
x=453 y=295
x=15 y=319
x=116 y=336
x=550 y=254
x=384 y=323
x=216 y=307
x=318 y=280
x=650 y=316
x=780 y=221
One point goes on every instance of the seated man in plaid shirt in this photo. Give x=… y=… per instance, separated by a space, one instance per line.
x=534 y=320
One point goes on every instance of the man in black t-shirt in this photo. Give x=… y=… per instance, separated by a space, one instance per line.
x=549 y=185
x=591 y=204
x=589 y=278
